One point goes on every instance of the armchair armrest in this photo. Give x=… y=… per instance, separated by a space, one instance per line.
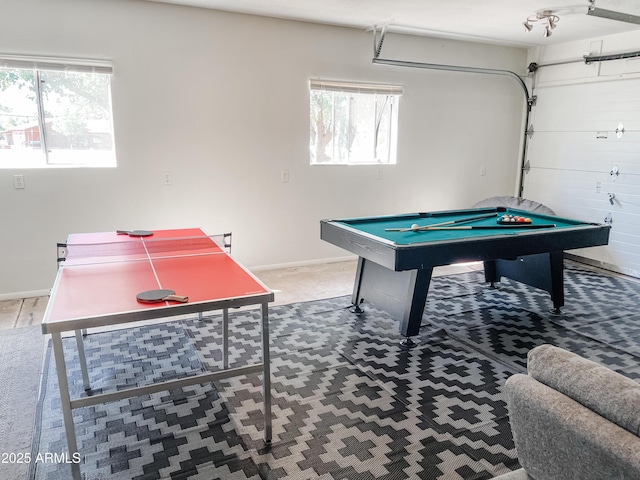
x=558 y=438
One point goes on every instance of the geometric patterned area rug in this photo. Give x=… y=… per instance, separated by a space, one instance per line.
x=348 y=402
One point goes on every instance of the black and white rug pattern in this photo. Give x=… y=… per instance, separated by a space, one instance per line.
x=348 y=403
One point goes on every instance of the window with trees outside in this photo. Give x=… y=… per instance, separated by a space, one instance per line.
x=55 y=112
x=353 y=123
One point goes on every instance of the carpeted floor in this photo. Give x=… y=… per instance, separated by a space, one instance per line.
x=21 y=352
x=348 y=403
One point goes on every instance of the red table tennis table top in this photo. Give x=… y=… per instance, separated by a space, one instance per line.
x=101 y=289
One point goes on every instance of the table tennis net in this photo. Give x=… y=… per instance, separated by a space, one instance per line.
x=142 y=248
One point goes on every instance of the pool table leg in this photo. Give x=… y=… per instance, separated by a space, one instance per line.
x=402 y=294
x=543 y=270
x=557 y=280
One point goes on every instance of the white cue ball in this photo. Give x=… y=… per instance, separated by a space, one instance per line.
x=414 y=226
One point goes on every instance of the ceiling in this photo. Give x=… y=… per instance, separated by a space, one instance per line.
x=487 y=21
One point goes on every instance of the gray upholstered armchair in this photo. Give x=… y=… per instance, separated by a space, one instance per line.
x=573 y=419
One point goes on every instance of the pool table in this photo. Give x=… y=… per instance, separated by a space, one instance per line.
x=395 y=267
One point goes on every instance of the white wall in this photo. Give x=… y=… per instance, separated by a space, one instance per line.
x=575 y=146
x=221 y=101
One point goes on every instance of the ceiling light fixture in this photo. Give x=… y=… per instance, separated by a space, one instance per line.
x=548 y=19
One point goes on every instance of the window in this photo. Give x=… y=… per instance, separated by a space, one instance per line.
x=352 y=123
x=55 y=112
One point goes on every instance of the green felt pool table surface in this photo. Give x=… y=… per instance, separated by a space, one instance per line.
x=377 y=226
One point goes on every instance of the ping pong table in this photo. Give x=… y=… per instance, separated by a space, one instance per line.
x=98 y=278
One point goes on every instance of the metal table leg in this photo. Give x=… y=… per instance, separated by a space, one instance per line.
x=83 y=360
x=65 y=401
x=266 y=371
x=225 y=338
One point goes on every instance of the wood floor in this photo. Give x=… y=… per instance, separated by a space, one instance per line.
x=22 y=313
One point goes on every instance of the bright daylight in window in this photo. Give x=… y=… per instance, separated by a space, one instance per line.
x=352 y=123
x=55 y=112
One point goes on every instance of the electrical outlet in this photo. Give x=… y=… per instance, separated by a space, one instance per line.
x=483 y=170
x=166 y=177
x=284 y=176
x=18 y=181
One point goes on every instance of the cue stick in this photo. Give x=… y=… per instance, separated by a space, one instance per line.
x=498 y=227
x=450 y=222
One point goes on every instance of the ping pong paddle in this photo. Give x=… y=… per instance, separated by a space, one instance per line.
x=156 y=296
x=135 y=233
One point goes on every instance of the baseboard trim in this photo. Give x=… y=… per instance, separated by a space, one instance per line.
x=604 y=265
x=304 y=263
x=29 y=294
